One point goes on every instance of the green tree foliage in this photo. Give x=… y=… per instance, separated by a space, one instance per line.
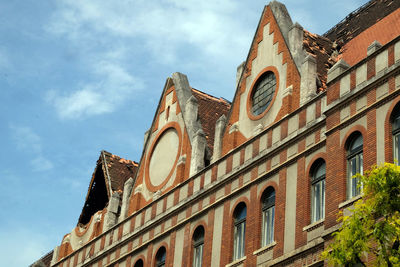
x=374 y=224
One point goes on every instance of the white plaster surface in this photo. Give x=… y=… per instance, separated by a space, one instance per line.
x=382 y=90
x=163 y=157
x=221 y=168
x=138 y=219
x=397 y=52
x=361 y=74
x=275 y=161
x=262 y=167
x=183 y=192
x=381 y=113
x=310 y=113
x=315 y=233
x=381 y=61
x=220 y=193
x=236 y=160
x=397 y=82
x=323 y=131
x=235 y=184
x=170 y=201
x=246 y=177
x=293 y=124
x=248 y=152
x=126 y=227
x=276 y=135
x=310 y=139
x=292 y=150
x=196 y=184
x=361 y=103
x=267 y=55
x=263 y=142
x=167 y=224
x=264 y=257
x=178 y=247
x=290 y=208
x=344 y=113
x=181 y=215
x=148 y=215
x=207 y=177
x=217 y=236
x=345 y=85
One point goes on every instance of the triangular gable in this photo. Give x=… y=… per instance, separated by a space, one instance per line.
x=180 y=140
x=110 y=174
x=277 y=47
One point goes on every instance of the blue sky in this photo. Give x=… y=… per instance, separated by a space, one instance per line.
x=77 y=77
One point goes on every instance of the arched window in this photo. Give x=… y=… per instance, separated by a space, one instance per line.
x=139 y=263
x=198 y=246
x=160 y=257
x=396 y=134
x=268 y=216
x=239 y=231
x=354 y=164
x=318 y=191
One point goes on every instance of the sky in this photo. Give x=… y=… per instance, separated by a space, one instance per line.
x=78 y=77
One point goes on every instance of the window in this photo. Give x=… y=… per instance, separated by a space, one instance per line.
x=198 y=246
x=160 y=257
x=354 y=164
x=318 y=191
x=239 y=231
x=263 y=93
x=268 y=215
x=396 y=134
x=139 y=263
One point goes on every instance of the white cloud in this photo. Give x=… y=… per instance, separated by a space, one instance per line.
x=28 y=141
x=113 y=87
x=40 y=163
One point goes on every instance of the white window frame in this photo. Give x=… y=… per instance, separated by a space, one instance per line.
x=268 y=218
x=198 y=248
x=318 y=193
x=239 y=233
x=354 y=166
x=396 y=135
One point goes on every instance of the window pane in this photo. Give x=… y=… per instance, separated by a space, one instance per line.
x=268 y=226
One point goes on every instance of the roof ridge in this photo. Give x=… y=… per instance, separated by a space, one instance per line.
x=349 y=16
x=121 y=158
x=219 y=99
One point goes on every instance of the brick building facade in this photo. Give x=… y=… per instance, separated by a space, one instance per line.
x=259 y=181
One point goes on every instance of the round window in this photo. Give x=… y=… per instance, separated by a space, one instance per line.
x=263 y=93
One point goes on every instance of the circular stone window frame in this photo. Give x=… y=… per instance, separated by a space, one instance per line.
x=249 y=102
x=171 y=125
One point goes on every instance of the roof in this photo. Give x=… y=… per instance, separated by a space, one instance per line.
x=322 y=49
x=44 y=261
x=119 y=170
x=110 y=170
x=376 y=20
x=383 y=31
x=361 y=19
x=210 y=110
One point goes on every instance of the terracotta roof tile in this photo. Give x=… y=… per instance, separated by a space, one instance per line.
x=383 y=31
x=210 y=110
x=361 y=19
x=119 y=170
x=321 y=48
